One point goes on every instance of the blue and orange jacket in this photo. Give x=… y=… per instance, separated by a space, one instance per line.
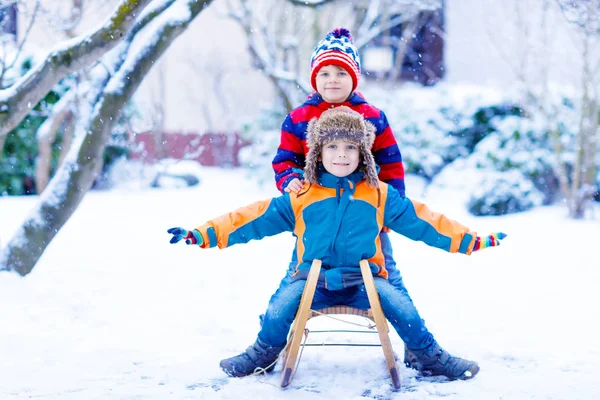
x=338 y=221
x=289 y=160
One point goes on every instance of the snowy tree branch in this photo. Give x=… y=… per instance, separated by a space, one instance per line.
x=81 y=52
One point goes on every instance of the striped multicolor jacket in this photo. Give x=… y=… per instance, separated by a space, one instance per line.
x=338 y=221
x=289 y=160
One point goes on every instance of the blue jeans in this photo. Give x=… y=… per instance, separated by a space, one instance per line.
x=397 y=308
x=414 y=333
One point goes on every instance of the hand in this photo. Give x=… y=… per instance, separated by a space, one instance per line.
x=191 y=237
x=488 y=241
x=295 y=186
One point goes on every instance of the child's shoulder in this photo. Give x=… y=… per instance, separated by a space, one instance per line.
x=362 y=105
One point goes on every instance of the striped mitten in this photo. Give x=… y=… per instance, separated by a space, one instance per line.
x=191 y=237
x=488 y=241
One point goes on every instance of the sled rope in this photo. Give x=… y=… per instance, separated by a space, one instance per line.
x=306 y=331
x=263 y=371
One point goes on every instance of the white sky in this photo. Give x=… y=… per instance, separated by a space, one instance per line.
x=114 y=311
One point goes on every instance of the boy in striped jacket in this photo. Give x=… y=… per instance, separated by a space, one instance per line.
x=335 y=73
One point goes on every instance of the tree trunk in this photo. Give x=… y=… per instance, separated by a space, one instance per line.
x=584 y=168
x=75 y=177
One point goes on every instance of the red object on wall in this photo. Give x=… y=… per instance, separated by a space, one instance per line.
x=210 y=149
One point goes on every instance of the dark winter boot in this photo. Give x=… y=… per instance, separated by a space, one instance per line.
x=435 y=361
x=256 y=357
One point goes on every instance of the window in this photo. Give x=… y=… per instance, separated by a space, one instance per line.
x=423 y=58
x=8 y=20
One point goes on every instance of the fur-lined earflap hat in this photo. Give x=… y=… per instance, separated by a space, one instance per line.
x=341 y=123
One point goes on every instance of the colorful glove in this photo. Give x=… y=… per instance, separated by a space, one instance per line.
x=191 y=237
x=488 y=241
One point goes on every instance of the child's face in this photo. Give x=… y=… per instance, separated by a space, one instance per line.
x=334 y=84
x=340 y=158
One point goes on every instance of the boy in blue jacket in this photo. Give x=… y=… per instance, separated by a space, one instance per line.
x=337 y=217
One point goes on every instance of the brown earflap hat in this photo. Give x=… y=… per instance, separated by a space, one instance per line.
x=341 y=123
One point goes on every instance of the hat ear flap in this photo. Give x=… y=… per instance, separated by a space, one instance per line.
x=370 y=132
x=314 y=151
x=370 y=167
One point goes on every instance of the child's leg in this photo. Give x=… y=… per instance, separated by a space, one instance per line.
x=395 y=279
x=263 y=353
x=284 y=282
x=280 y=314
x=282 y=311
x=403 y=315
x=426 y=355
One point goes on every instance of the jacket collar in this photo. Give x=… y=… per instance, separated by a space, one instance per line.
x=348 y=183
x=316 y=100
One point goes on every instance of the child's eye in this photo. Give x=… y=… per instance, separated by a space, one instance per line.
x=351 y=147
x=342 y=73
x=331 y=146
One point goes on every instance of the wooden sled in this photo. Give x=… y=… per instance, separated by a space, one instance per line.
x=305 y=312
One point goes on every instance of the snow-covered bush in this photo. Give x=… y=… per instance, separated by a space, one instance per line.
x=500 y=193
x=520 y=144
x=435 y=126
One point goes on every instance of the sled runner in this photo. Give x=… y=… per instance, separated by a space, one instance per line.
x=305 y=313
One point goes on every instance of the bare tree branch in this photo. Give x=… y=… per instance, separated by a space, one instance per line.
x=74 y=18
x=5 y=68
x=82 y=52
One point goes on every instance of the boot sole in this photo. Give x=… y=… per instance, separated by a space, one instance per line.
x=230 y=370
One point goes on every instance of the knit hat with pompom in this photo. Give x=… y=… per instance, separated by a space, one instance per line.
x=338 y=49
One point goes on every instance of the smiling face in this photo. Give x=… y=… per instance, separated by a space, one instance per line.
x=334 y=84
x=340 y=158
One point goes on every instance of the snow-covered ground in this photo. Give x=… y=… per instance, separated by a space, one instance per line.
x=114 y=311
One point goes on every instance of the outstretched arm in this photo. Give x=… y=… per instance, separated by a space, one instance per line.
x=253 y=222
x=417 y=222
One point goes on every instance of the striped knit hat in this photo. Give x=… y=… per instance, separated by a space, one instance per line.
x=338 y=49
x=341 y=123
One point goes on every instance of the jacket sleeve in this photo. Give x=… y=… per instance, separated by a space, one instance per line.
x=387 y=155
x=417 y=222
x=289 y=159
x=253 y=222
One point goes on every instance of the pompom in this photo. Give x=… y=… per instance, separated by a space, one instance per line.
x=339 y=32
